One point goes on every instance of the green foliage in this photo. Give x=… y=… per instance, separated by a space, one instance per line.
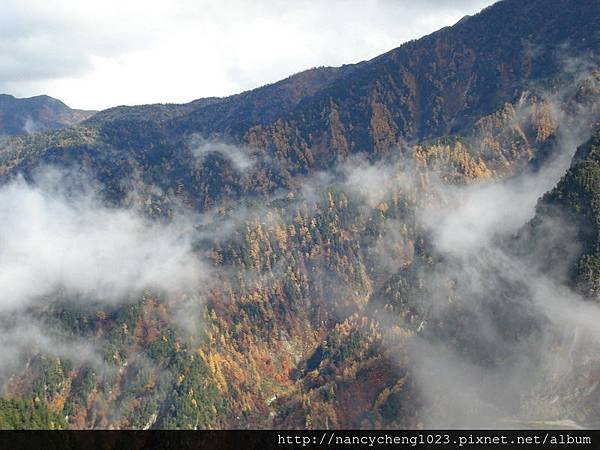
x=28 y=415
x=308 y=276
x=195 y=402
x=578 y=196
x=81 y=387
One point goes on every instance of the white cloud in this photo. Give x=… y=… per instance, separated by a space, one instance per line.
x=240 y=157
x=99 y=54
x=55 y=240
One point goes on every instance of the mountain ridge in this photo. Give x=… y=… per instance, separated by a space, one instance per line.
x=355 y=239
x=431 y=87
x=36 y=114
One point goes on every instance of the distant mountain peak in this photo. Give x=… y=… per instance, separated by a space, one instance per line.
x=38 y=113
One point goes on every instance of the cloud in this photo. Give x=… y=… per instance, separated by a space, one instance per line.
x=31 y=126
x=99 y=54
x=501 y=354
x=374 y=181
x=24 y=336
x=239 y=156
x=475 y=214
x=57 y=240
x=503 y=322
x=500 y=337
x=61 y=245
x=40 y=41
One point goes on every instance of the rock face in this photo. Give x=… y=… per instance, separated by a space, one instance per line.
x=364 y=258
x=36 y=114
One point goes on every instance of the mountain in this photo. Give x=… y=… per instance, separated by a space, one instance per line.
x=405 y=242
x=220 y=115
x=439 y=85
x=577 y=195
x=35 y=114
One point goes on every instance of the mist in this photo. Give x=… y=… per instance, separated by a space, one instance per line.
x=497 y=349
x=501 y=338
x=59 y=242
x=53 y=239
x=238 y=156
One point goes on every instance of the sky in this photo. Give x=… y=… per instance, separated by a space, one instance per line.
x=102 y=53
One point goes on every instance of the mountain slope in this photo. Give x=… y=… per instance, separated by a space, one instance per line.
x=440 y=84
x=346 y=278
x=435 y=86
x=240 y=111
x=577 y=196
x=35 y=114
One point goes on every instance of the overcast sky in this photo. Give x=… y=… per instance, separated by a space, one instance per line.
x=99 y=53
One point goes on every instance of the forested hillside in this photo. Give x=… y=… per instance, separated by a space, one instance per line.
x=409 y=242
x=35 y=114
